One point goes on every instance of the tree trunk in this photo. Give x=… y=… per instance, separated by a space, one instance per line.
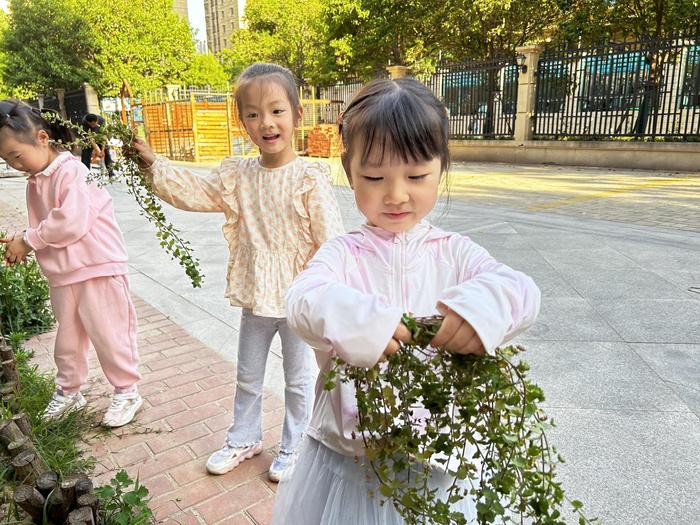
x=46 y=482
x=31 y=501
x=83 y=486
x=56 y=507
x=9 y=432
x=21 y=445
x=22 y=422
x=5 y=350
x=90 y=501
x=28 y=466
x=68 y=490
x=8 y=389
x=82 y=516
x=9 y=371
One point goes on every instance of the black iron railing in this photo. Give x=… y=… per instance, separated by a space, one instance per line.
x=481 y=97
x=644 y=90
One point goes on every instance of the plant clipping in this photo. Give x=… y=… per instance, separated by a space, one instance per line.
x=475 y=418
x=126 y=169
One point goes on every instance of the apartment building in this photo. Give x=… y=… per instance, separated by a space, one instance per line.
x=222 y=18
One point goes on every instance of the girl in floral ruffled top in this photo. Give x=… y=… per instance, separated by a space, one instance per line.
x=279 y=209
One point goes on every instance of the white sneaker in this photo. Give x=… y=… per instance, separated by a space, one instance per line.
x=122 y=410
x=283 y=464
x=61 y=404
x=228 y=458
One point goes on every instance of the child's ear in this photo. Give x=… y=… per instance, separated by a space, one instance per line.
x=42 y=137
x=300 y=115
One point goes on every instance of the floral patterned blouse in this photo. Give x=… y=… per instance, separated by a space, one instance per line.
x=276 y=219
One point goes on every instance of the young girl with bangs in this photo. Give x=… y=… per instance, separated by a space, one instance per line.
x=350 y=300
x=278 y=208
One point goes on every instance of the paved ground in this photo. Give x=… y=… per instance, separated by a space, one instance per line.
x=616 y=347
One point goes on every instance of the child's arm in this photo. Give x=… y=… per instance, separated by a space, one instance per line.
x=72 y=218
x=179 y=186
x=495 y=302
x=329 y=315
x=322 y=207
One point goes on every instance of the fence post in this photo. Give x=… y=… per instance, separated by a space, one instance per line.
x=397 y=71
x=527 y=87
x=169 y=130
x=193 y=107
x=92 y=100
x=229 y=132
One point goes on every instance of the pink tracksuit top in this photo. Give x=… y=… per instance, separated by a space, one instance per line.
x=350 y=299
x=71 y=224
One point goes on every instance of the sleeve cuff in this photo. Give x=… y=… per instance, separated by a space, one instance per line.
x=31 y=237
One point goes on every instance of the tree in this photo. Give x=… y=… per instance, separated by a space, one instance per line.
x=46 y=45
x=655 y=18
x=146 y=43
x=206 y=70
x=288 y=32
x=63 y=43
x=488 y=28
x=367 y=35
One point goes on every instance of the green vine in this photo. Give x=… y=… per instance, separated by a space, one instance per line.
x=126 y=169
x=481 y=425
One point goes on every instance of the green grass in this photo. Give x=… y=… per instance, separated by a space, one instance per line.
x=56 y=441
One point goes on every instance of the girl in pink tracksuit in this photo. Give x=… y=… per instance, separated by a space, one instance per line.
x=81 y=251
x=350 y=299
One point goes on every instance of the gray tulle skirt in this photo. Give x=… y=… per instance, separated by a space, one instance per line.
x=327 y=488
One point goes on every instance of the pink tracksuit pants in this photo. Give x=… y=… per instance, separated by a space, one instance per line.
x=98 y=310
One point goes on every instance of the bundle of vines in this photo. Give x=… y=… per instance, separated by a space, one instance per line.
x=473 y=422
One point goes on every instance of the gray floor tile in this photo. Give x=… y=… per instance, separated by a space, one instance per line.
x=595 y=375
x=654 y=321
x=570 y=319
x=630 y=467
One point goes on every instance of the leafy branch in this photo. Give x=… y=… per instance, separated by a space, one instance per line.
x=126 y=168
x=476 y=421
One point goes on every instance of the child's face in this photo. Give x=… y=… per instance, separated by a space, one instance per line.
x=270 y=120
x=395 y=195
x=29 y=158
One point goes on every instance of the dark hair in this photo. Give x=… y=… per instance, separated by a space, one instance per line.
x=267 y=72
x=24 y=121
x=91 y=117
x=400 y=118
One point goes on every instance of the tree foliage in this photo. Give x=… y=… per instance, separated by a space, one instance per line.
x=46 y=45
x=146 y=43
x=62 y=43
x=206 y=70
x=288 y=32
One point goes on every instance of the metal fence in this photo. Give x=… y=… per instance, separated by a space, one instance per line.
x=481 y=97
x=633 y=89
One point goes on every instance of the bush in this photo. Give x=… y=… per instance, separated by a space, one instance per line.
x=24 y=297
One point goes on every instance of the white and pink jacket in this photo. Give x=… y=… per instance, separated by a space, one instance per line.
x=72 y=225
x=350 y=299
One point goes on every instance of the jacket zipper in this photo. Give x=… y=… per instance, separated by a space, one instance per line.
x=400 y=267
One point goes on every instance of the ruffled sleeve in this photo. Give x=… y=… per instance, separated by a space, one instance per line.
x=187 y=190
x=229 y=174
x=315 y=202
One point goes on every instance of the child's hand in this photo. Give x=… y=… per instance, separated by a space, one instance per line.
x=456 y=335
x=141 y=148
x=17 y=250
x=401 y=334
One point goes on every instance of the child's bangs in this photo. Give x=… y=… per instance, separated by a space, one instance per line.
x=401 y=131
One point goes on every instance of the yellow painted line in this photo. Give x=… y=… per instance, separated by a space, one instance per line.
x=610 y=193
